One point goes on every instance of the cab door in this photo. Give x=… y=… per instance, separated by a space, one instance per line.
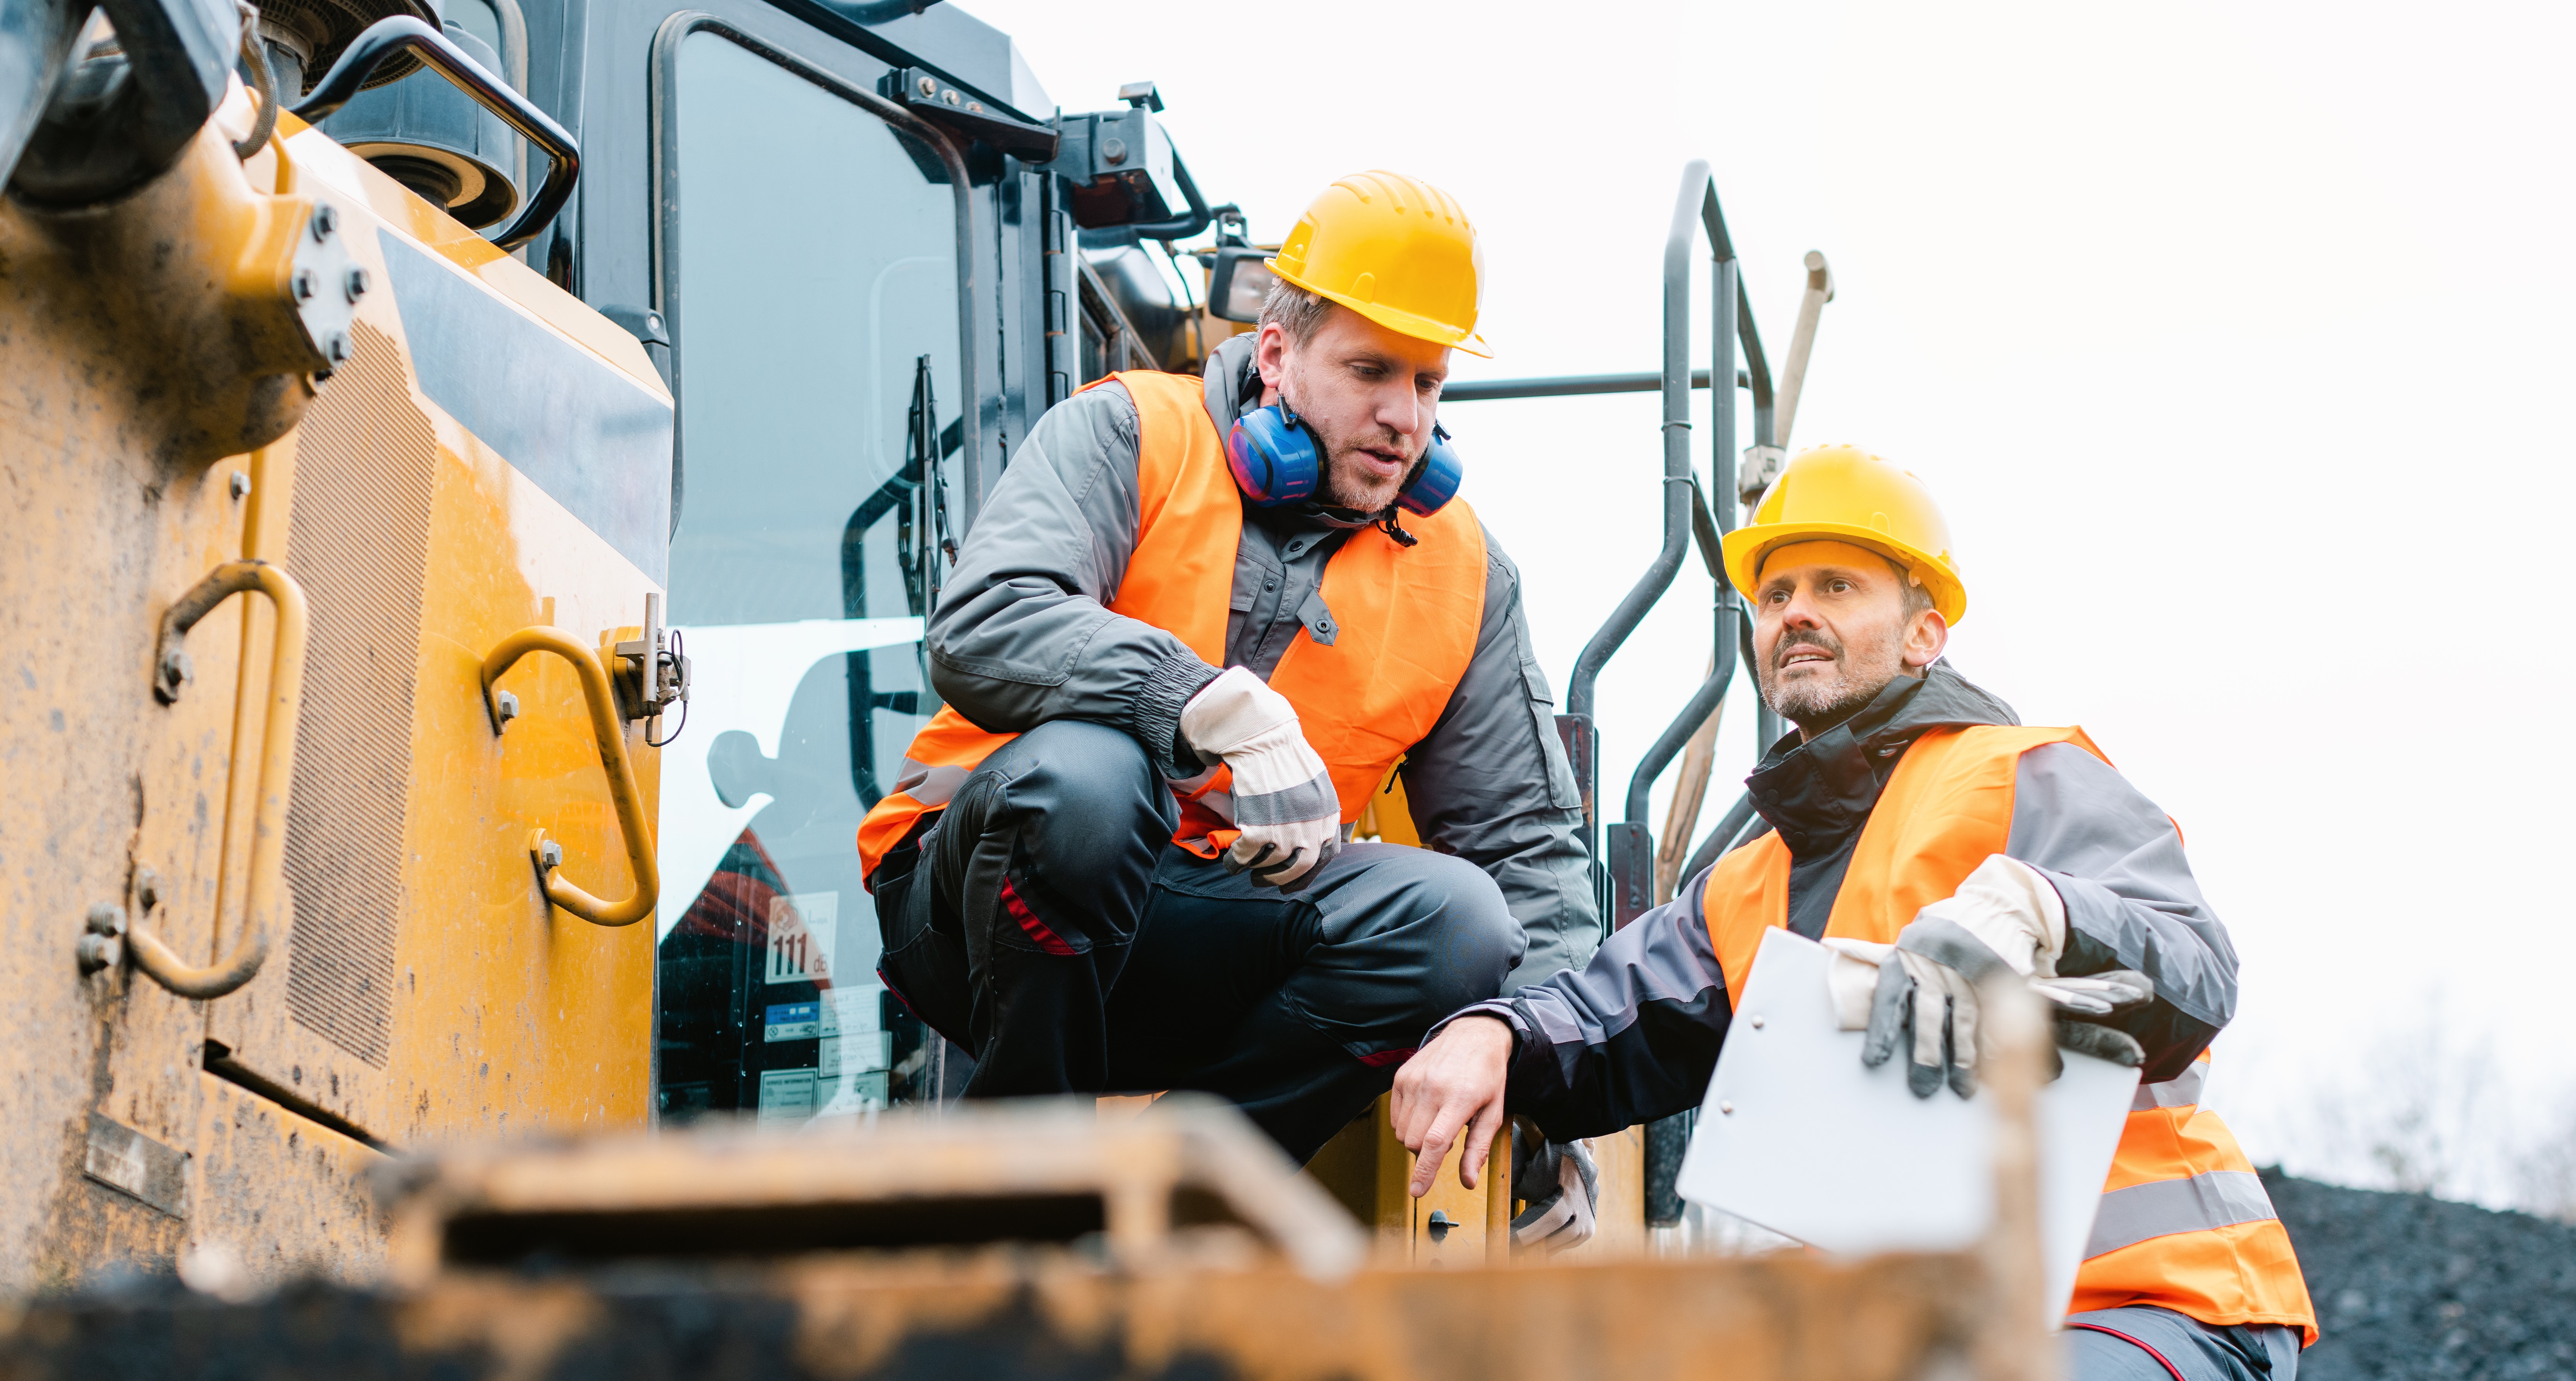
x=810 y=264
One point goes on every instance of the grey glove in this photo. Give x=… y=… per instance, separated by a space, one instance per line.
x=1561 y=1186
x=2081 y=1003
x=1926 y=1002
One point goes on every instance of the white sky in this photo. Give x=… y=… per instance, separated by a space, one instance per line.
x=2231 y=337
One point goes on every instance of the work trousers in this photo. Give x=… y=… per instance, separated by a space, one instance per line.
x=2140 y=1342
x=1046 y=923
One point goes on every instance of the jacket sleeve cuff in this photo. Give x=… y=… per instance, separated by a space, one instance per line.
x=1156 y=717
x=1501 y=1009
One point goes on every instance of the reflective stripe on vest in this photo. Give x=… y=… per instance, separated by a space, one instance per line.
x=2178 y=1228
x=1404 y=629
x=2161 y=1208
x=2180 y=1091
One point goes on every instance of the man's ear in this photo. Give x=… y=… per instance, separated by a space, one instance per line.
x=1270 y=354
x=1927 y=635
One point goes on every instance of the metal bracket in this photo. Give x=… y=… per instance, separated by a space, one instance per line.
x=1762 y=464
x=926 y=95
x=652 y=676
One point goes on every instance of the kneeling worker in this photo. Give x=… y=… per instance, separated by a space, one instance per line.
x=1196 y=625
x=1918 y=830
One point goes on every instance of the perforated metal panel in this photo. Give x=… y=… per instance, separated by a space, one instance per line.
x=358 y=538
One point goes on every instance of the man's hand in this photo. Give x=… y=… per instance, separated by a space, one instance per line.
x=1452 y=1085
x=1284 y=800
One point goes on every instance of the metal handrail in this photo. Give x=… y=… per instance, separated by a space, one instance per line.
x=146 y=950
x=386 y=37
x=609 y=728
x=1731 y=323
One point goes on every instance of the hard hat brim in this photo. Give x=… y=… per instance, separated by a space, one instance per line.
x=1746 y=547
x=1394 y=319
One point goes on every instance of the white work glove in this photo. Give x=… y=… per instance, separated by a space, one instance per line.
x=1921 y=991
x=1284 y=800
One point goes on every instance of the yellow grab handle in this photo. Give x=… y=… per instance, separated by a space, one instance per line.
x=609 y=729
x=276 y=772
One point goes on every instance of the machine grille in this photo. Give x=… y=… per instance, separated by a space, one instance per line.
x=358 y=539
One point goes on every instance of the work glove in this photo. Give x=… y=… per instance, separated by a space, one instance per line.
x=1284 y=800
x=1920 y=994
x=1561 y=1186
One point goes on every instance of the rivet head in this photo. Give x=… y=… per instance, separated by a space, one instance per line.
x=356 y=283
x=928 y=87
x=326 y=218
x=1727 y=1108
x=1757 y=1023
x=951 y=97
x=975 y=106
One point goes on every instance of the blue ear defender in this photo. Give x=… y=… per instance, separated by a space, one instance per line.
x=1277 y=459
x=1435 y=478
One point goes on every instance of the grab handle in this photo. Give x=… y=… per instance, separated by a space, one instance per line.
x=386 y=37
x=609 y=728
x=170 y=674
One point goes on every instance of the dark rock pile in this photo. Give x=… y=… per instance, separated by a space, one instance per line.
x=2408 y=1286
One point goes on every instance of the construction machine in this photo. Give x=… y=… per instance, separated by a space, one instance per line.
x=478 y=471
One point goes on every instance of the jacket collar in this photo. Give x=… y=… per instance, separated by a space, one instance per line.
x=1819 y=793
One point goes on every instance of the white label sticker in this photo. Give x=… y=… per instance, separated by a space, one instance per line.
x=861 y=1053
x=848 y=1011
x=786 y=1095
x=802 y=930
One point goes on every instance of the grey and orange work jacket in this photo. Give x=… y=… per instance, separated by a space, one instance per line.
x=1116 y=567
x=1869 y=822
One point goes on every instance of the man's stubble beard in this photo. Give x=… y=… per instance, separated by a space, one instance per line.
x=1818 y=703
x=1342 y=481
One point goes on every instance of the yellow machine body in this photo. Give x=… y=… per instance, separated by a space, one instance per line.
x=417 y=986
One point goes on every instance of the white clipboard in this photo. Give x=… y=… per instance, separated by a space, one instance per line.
x=1799 y=1137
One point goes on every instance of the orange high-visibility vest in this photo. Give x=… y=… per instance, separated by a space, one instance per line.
x=2184 y=1223
x=1405 y=628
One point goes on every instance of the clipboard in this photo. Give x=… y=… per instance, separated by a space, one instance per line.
x=1799 y=1137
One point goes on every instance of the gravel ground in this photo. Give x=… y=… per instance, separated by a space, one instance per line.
x=2408 y=1286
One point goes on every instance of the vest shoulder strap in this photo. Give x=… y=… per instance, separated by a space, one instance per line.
x=1947 y=807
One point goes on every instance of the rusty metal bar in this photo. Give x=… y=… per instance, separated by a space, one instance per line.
x=609 y=729
x=147 y=950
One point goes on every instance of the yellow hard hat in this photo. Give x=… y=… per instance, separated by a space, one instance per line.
x=1393 y=249
x=1845 y=494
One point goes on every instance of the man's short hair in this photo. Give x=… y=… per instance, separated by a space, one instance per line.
x=1918 y=596
x=1299 y=313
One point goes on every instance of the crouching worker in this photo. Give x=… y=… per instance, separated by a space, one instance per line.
x=1194 y=628
x=1916 y=828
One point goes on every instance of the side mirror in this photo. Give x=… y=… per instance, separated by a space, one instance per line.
x=1239 y=282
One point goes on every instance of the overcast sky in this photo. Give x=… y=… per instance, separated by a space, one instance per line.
x=2232 y=339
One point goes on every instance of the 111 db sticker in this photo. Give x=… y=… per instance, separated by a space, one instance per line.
x=803 y=930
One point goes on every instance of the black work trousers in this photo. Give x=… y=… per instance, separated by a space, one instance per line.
x=1047 y=924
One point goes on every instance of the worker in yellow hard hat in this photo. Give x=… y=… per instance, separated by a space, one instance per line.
x=1932 y=843
x=1196 y=625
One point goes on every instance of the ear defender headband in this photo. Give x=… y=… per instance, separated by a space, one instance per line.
x=1277 y=459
